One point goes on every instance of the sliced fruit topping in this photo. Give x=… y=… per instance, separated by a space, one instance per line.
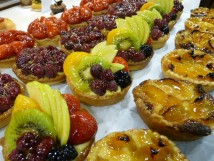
x=83 y=127
x=146 y=6
x=123 y=38
x=29 y=120
x=121 y=60
x=72 y=102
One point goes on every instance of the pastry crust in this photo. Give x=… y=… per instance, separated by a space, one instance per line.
x=47 y=41
x=177 y=109
x=5 y=117
x=6 y=63
x=28 y=78
x=7 y=24
x=95 y=100
x=157 y=44
x=194 y=66
x=135 y=144
x=202 y=12
x=195 y=41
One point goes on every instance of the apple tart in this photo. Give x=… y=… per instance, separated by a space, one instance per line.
x=178 y=109
x=195 y=40
x=136 y=144
x=194 y=66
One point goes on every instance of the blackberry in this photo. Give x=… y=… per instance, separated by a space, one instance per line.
x=165 y=29
x=65 y=153
x=122 y=78
x=147 y=49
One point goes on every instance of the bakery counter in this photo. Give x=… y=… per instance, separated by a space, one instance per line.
x=123 y=115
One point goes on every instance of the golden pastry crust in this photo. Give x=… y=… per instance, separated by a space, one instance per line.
x=202 y=24
x=136 y=144
x=95 y=100
x=195 y=41
x=5 y=117
x=6 y=24
x=7 y=63
x=47 y=41
x=202 y=12
x=157 y=44
x=194 y=66
x=28 y=78
x=177 y=109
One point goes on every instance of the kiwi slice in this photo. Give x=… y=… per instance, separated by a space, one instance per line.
x=124 y=38
x=80 y=74
x=29 y=120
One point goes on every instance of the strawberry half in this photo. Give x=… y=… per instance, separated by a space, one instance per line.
x=72 y=102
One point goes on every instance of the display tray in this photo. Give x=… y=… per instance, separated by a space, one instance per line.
x=8 y=3
x=124 y=116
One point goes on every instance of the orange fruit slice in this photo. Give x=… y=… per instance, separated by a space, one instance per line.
x=146 y=6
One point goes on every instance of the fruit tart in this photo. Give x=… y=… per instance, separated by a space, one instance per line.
x=9 y=90
x=6 y=24
x=202 y=12
x=195 y=40
x=178 y=109
x=194 y=66
x=44 y=64
x=11 y=44
x=46 y=30
x=41 y=128
x=135 y=144
x=98 y=79
x=77 y=16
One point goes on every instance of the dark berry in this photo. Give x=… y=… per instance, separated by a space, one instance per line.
x=16 y=155
x=38 y=70
x=112 y=86
x=13 y=89
x=123 y=54
x=138 y=56
x=98 y=86
x=173 y=16
x=147 y=49
x=123 y=78
x=5 y=78
x=44 y=147
x=165 y=29
x=156 y=34
x=50 y=70
x=5 y=103
x=107 y=75
x=96 y=71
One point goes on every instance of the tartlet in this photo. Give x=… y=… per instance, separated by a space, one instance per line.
x=194 y=66
x=202 y=12
x=195 y=40
x=8 y=84
x=46 y=30
x=178 y=109
x=6 y=24
x=136 y=144
x=157 y=44
x=44 y=64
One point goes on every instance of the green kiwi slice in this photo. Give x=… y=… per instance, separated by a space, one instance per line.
x=81 y=76
x=30 y=120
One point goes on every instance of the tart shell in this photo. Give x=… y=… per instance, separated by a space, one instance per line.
x=157 y=44
x=95 y=100
x=7 y=63
x=47 y=41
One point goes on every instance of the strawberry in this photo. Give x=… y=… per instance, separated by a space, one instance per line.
x=83 y=127
x=18 y=46
x=6 y=51
x=121 y=60
x=52 y=29
x=72 y=102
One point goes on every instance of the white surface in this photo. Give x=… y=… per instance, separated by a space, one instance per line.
x=123 y=115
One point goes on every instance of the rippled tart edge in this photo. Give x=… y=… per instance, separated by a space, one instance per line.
x=135 y=144
x=95 y=100
x=157 y=44
x=168 y=67
x=167 y=106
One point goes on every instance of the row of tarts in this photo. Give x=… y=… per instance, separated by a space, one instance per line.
x=156 y=100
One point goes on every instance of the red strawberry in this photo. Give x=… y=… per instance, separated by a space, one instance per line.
x=121 y=60
x=72 y=102
x=83 y=127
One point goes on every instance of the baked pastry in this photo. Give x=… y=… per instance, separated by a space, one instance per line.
x=37 y=134
x=195 y=40
x=44 y=64
x=136 y=144
x=96 y=80
x=6 y=24
x=58 y=7
x=178 y=109
x=46 y=31
x=202 y=24
x=194 y=66
x=9 y=90
x=202 y=12
x=36 y=5
x=11 y=43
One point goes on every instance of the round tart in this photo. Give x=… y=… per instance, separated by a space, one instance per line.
x=6 y=24
x=202 y=12
x=9 y=90
x=46 y=31
x=157 y=44
x=137 y=144
x=178 y=109
x=44 y=64
x=194 y=66
x=195 y=41
x=11 y=44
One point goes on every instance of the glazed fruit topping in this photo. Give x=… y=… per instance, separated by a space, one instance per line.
x=9 y=89
x=178 y=6
x=76 y=15
x=64 y=153
x=72 y=102
x=47 y=27
x=123 y=78
x=41 y=61
x=81 y=39
x=31 y=147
